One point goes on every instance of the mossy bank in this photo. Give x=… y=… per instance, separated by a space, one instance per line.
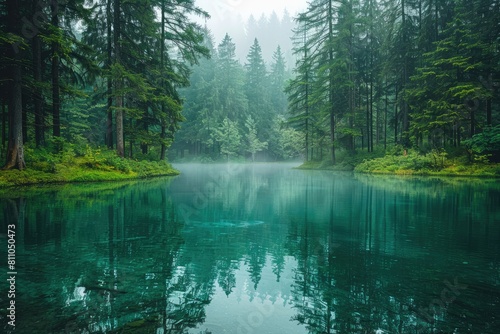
x=434 y=163
x=87 y=165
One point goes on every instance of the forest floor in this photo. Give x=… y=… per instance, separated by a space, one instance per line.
x=434 y=163
x=88 y=165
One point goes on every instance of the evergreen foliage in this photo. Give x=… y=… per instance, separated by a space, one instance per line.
x=101 y=73
x=368 y=76
x=420 y=74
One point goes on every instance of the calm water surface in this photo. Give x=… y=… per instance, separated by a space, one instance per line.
x=256 y=249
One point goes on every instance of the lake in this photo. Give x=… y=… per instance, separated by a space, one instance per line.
x=260 y=248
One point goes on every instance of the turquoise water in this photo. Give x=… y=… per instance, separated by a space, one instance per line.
x=259 y=248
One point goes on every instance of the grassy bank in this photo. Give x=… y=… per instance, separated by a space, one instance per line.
x=81 y=165
x=437 y=163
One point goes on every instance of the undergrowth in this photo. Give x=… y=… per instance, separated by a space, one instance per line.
x=410 y=162
x=58 y=163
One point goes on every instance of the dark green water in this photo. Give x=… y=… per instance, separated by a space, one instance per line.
x=255 y=249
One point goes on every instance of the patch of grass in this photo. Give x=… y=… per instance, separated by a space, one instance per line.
x=81 y=165
x=396 y=161
x=433 y=163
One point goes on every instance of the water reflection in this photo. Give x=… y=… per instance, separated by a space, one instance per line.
x=257 y=249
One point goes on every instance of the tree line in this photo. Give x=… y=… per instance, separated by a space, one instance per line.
x=237 y=110
x=413 y=73
x=105 y=72
x=416 y=73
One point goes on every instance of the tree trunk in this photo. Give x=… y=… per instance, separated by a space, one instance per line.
x=405 y=139
x=24 y=108
x=163 y=147
x=56 y=100
x=37 y=77
x=163 y=136
x=37 y=94
x=370 y=121
x=4 y=127
x=15 y=150
x=109 y=120
x=306 y=101
x=386 y=107
x=144 y=146
x=331 y=79
x=120 y=145
x=368 y=136
x=488 y=111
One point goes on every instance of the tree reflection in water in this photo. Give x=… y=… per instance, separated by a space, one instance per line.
x=334 y=254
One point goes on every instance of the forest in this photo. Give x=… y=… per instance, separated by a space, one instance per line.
x=122 y=86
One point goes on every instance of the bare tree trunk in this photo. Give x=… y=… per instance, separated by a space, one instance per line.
x=120 y=145
x=163 y=136
x=109 y=120
x=37 y=76
x=4 y=126
x=163 y=147
x=15 y=150
x=56 y=99
x=331 y=80
x=405 y=136
x=488 y=111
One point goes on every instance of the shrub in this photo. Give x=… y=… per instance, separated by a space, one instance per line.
x=486 y=143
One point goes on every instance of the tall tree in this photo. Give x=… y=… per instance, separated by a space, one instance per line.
x=447 y=86
x=320 y=17
x=185 y=37
x=36 y=45
x=298 y=89
x=55 y=56
x=253 y=144
x=256 y=89
x=15 y=150
x=229 y=138
x=230 y=81
x=120 y=144
x=278 y=77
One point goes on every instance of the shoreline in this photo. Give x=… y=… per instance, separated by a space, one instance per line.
x=471 y=171
x=30 y=177
x=78 y=175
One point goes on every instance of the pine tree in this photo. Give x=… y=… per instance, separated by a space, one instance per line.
x=320 y=17
x=278 y=77
x=298 y=89
x=447 y=87
x=256 y=89
x=229 y=138
x=254 y=145
x=201 y=107
x=230 y=82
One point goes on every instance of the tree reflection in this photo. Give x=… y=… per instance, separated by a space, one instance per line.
x=365 y=254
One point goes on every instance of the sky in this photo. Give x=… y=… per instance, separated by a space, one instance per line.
x=221 y=9
x=231 y=16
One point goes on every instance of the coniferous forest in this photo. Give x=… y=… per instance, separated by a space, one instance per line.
x=244 y=238
x=122 y=86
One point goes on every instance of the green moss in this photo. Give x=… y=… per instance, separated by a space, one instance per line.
x=92 y=165
x=435 y=162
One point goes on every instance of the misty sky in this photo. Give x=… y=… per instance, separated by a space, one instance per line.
x=219 y=9
x=226 y=13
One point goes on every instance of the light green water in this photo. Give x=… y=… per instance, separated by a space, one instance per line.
x=256 y=249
